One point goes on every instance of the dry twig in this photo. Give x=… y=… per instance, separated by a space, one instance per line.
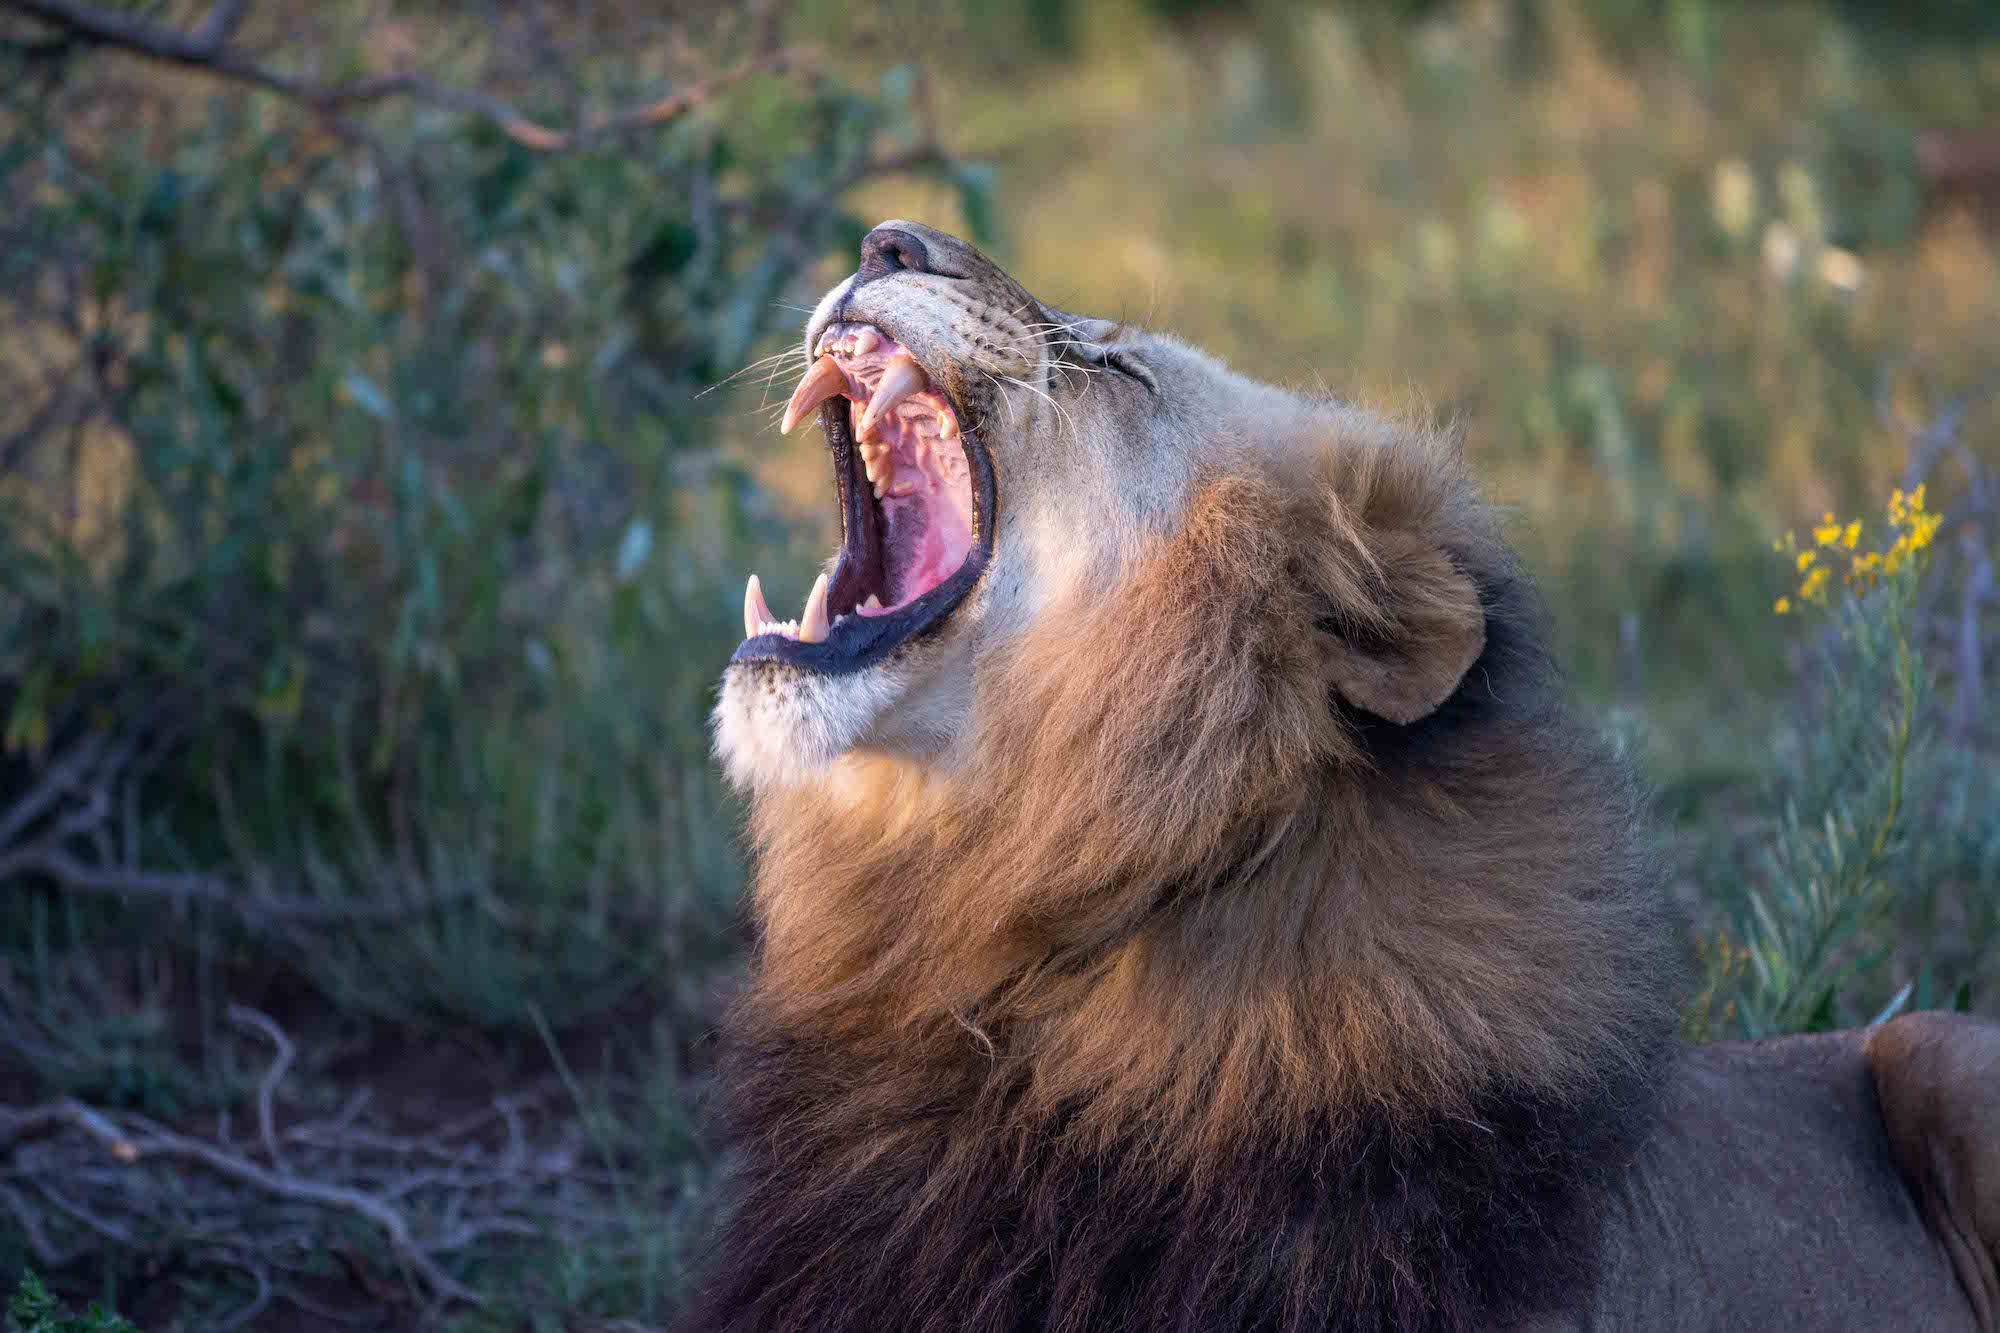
x=66 y=828
x=52 y=1152
x=429 y=1198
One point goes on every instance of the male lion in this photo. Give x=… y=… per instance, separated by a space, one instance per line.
x=1183 y=905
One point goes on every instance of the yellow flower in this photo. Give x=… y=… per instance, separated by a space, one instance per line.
x=1827 y=533
x=1783 y=606
x=1897 y=507
x=1814 y=588
x=1852 y=534
x=1806 y=558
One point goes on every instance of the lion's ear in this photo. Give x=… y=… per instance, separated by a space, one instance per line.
x=1422 y=632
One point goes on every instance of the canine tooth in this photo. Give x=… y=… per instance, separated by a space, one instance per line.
x=873 y=603
x=947 y=426
x=756 y=615
x=866 y=340
x=903 y=378
x=822 y=382
x=812 y=621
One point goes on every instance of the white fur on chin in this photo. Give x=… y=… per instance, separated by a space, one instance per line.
x=780 y=726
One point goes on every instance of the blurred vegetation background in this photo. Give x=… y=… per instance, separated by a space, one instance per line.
x=379 y=468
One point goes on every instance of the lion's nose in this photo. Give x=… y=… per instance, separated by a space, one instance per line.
x=887 y=250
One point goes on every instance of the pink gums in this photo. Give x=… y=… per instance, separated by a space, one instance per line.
x=926 y=499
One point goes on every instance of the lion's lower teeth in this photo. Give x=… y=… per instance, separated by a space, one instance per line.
x=811 y=627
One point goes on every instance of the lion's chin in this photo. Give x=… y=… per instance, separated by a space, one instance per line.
x=778 y=725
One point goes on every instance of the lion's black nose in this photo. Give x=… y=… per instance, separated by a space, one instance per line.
x=889 y=250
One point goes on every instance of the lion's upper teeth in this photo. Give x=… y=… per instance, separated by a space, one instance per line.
x=821 y=382
x=903 y=378
x=851 y=339
x=875 y=460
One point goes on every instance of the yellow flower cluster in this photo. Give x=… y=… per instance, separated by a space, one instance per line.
x=1911 y=528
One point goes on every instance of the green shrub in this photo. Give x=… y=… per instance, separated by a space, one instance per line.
x=34 y=1310
x=387 y=540
x=1815 y=915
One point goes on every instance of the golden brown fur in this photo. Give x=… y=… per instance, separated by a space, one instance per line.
x=1175 y=735
x=1217 y=925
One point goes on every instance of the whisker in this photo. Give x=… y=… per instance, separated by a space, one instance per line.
x=1057 y=407
x=775 y=359
x=1002 y=397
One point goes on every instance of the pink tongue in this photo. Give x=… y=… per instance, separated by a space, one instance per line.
x=940 y=555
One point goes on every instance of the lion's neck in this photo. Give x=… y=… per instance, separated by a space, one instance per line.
x=1408 y=949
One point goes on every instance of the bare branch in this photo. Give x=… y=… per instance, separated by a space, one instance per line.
x=16 y=1126
x=267 y=1088
x=260 y=912
x=155 y=1141
x=206 y=51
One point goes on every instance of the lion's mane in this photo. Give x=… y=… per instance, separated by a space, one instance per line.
x=1195 y=998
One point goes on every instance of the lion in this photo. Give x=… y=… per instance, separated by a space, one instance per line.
x=1182 y=903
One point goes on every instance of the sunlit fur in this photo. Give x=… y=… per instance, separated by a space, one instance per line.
x=1180 y=989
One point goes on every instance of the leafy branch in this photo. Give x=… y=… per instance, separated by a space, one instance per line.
x=207 y=50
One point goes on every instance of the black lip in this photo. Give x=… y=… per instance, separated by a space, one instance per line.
x=861 y=641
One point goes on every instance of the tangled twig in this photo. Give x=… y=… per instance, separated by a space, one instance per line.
x=76 y=1179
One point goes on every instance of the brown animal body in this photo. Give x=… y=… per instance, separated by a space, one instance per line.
x=1183 y=904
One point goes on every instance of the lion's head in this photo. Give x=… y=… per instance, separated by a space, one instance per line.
x=1184 y=731
x=995 y=458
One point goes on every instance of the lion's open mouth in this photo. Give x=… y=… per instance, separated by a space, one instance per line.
x=916 y=505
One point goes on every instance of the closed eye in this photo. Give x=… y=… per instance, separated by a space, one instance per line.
x=1126 y=364
x=1098 y=356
